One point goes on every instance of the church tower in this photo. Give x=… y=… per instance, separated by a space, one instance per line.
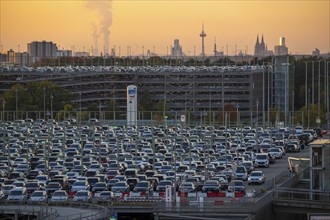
x=257 y=47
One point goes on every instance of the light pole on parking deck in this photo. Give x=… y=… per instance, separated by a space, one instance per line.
x=16 y=104
x=44 y=89
x=3 y=109
x=238 y=116
x=51 y=107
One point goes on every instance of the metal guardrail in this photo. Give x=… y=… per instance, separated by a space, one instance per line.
x=189 y=205
x=302 y=195
x=41 y=211
x=94 y=211
x=48 y=211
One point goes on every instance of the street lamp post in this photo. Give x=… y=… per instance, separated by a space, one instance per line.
x=286 y=93
x=237 y=113
x=292 y=108
x=308 y=115
x=16 y=104
x=51 y=107
x=257 y=102
x=44 y=102
x=3 y=109
x=263 y=98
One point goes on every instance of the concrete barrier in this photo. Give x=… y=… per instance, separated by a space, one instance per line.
x=230 y=194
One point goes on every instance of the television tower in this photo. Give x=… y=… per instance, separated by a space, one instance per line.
x=203 y=35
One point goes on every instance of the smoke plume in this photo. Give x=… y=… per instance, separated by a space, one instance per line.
x=103 y=8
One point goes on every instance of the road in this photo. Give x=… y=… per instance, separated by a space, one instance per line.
x=277 y=172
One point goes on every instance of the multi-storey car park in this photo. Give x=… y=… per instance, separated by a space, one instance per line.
x=198 y=90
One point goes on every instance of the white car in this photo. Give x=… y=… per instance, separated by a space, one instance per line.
x=59 y=196
x=82 y=196
x=276 y=152
x=256 y=177
x=18 y=194
x=261 y=160
x=38 y=196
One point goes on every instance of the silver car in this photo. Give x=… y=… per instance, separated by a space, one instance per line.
x=38 y=196
x=82 y=196
x=59 y=196
x=256 y=177
x=17 y=194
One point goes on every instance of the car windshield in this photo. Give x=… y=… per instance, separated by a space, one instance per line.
x=36 y=194
x=31 y=185
x=164 y=183
x=7 y=187
x=256 y=174
x=61 y=193
x=261 y=157
x=15 y=192
x=82 y=194
x=120 y=184
x=211 y=183
x=79 y=183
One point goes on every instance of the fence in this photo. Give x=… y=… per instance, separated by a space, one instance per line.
x=41 y=211
x=193 y=118
x=52 y=211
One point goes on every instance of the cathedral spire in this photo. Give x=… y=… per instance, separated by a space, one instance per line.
x=257 y=39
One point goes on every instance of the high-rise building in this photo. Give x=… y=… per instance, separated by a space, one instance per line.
x=64 y=53
x=260 y=48
x=281 y=49
x=42 y=49
x=11 y=56
x=22 y=59
x=176 y=49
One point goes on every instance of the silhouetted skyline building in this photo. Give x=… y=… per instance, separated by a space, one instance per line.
x=176 y=49
x=42 y=49
x=260 y=48
x=281 y=49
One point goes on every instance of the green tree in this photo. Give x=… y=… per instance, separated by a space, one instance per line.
x=34 y=96
x=17 y=95
x=309 y=114
x=231 y=112
x=145 y=103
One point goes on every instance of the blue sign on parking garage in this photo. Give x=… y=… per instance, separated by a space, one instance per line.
x=114 y=216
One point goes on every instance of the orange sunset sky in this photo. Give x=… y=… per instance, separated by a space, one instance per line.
x=156 y=23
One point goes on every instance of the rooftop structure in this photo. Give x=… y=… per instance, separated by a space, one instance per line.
x=203 y=35
x=281 y=49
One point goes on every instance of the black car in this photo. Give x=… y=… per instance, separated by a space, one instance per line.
x=132 y=183
x=32 y=174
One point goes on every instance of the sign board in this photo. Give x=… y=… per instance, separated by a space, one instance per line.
x=318 y=120
x=183 y=118
x=168 y=193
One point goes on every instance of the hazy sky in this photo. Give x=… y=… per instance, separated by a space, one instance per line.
x=156 y=23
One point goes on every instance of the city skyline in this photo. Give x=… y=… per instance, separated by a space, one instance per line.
x=150 y=25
